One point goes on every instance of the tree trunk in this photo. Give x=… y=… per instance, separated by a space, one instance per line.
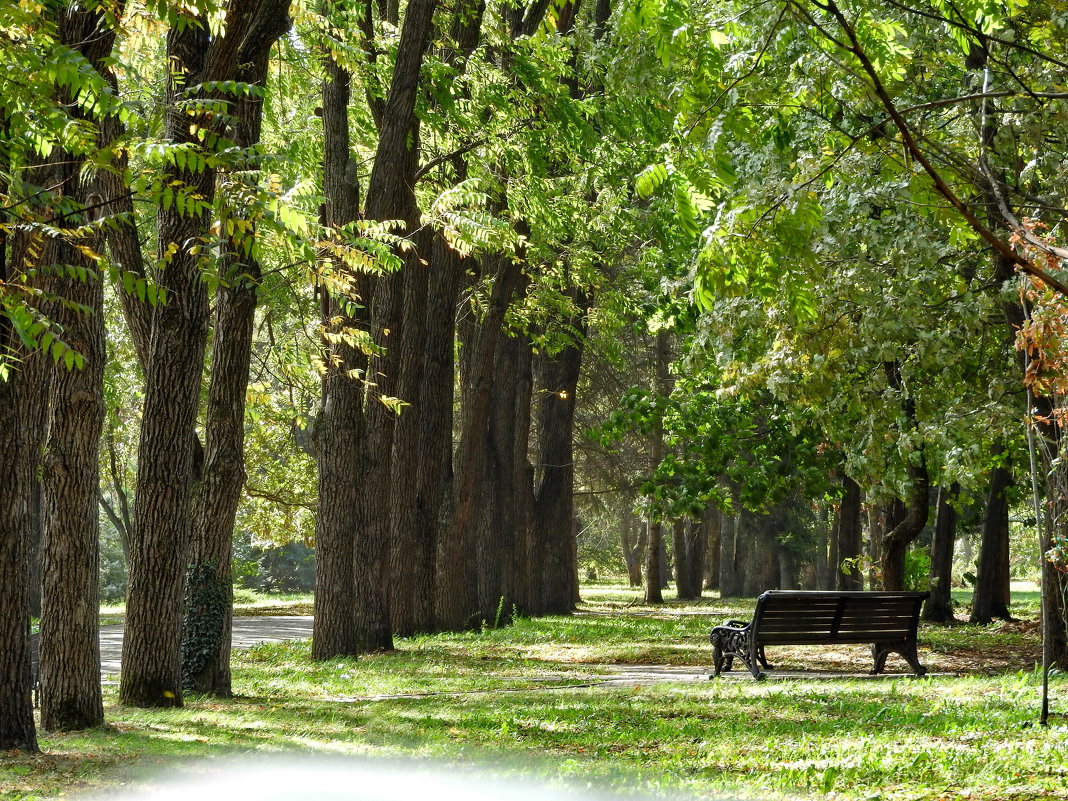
x=339 y=437
x=554 y=514
x=522 y=473
x=756 y=554
x=16 y=686
x=697 y=544
x=632 y=543
x=729 y=576
x=151 y=649
x=35 y=381
x=458 y=550
x=848 y=536
x=992 y=577
x=683 y=590
x=496 y=544
x=151 y=658
x=1052 y=464
x=665 y=565
x=338 y=431
x=690 y=539
x=436 y=425
x=209 y=590
x=897 y=540
x=939 y=606
x=69 y=645
x=17 y=730
x=412 y=543
x=713 y=520
x=787 y=571
x=1054 y=577
x=654 y=535
x=425 y=439
x=390 y=196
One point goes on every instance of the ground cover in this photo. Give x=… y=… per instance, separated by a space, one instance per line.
x=526 y=700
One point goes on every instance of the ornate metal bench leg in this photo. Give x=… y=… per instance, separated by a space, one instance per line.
x=763 y=659
x=717 y=657
x=909 y=652
x=729 y=642
x=879 y=652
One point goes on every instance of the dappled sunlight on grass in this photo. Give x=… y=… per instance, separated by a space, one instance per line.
x=527 y=700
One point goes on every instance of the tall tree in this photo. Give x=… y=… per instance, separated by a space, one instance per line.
x=209 y=590
x=662 y=358
x=198 y=61
x=339 y=429
x=990 y=599
x=939 y=607
x=17 y=730
x=848 y=535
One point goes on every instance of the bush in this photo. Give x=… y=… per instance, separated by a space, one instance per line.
x=275 y=568
x=917 y=569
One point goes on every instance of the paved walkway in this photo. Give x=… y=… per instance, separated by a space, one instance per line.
x=250 y=631
x=247 y=631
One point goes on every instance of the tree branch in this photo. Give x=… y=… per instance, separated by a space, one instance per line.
x=1002 y=247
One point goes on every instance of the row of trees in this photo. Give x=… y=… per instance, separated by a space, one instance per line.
x=357 y=263
x=870 y=203
x=154 y=170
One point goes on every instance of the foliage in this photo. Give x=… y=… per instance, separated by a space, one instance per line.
x=289 y=567
x=112 y=566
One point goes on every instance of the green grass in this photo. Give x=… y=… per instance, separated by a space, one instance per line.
x=526 y=701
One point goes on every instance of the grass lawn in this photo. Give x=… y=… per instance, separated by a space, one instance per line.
x=526 y=701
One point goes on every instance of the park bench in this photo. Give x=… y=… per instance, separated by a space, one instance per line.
x=886 y=620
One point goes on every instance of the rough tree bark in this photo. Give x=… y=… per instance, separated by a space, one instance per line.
x=522 y=477
x=756 y=554
x=654 y=530
x=17 y=730
x=422 y=449
x=151 y=658
x=848 y=537
x=554 y=504
x=414 y=553
x=691 y=541
x=713 y=521
x=69 y=645
x=681 y=566
x=729 y=574
x=939 y=607
x=390 y=196
x=632 y=542
x=992 y=574
x=897 y=539
x=339 y=433
x=209 y=584
x=453 y=601
x=411 y=549
x=69 y=648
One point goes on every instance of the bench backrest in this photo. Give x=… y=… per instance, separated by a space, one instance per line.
x=797 y=617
